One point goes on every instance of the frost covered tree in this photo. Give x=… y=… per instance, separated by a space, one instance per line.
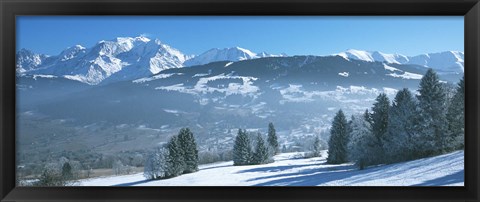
x=456 y=118
x=261 y=154
x=400 y=142
x=337 y=144
x=362 y=146
x=242 y=149
x=190 y=151
x=317 y=147
x=272 y=139
x=51 y=176
x=156 y=164
x=175 y=158
x=118 y=167
x=433 y=120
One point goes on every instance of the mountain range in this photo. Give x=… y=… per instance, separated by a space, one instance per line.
x=445 y=62
x=132 y=94
x=129 y=58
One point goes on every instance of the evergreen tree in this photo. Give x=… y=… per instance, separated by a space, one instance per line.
x=175 y=158
x=67 y=173
x=379 y=123
x=272 y=139
x=317 y=147
x=362 y=146
x=261 y=152
x=433 y=120
x=337 y=144
x=242 y=149
x=400 y=145
x=189 y=147
x=380 y=116
x=456 y=118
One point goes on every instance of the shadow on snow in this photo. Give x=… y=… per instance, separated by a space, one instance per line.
x=445 y=180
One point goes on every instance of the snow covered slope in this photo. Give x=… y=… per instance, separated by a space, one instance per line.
x=444 y=170
x=226 y=54
x=442 y=62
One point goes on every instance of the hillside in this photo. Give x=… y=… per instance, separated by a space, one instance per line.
x=444 y=170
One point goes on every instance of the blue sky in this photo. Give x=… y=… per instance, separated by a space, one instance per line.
x=313 y=35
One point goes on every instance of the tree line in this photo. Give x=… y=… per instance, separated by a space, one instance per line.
x=263 y=152
x=178 y=156
x=411 y=127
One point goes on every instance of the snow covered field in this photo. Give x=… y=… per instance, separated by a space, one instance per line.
x=288 y=170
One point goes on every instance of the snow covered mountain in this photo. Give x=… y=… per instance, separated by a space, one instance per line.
x=448 y=61
x=130 y=58
x=442 y=62
x=266 y=88
x=28 y=61
x=123 y=58
x=227 y=54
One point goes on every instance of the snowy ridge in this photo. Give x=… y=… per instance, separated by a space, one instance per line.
x=448 y=61
x=374 y=56
x=289 y=170
x=227 y=54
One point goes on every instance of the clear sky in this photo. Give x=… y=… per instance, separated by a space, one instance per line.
x=313 y=35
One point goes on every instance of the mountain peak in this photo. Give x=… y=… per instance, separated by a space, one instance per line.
x=132 y=39
x=227 y=54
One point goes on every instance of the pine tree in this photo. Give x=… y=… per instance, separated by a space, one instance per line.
x=456 y=118
x=379 y=123
x=189 y=147
x=317 y=147
x=400 y=145
x=380 y=116
x=272 y=139
x=67 y=173
x=260 y=156
x=337 y=144
x=242 y=149
x=433 y=121
x=362 y=146
x=367 y=116
x=175 y=158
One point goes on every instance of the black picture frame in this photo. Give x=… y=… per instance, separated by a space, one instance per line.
x=470 y=9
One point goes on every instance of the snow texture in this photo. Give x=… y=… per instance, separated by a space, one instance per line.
x=246 y=88
x=290 y=170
